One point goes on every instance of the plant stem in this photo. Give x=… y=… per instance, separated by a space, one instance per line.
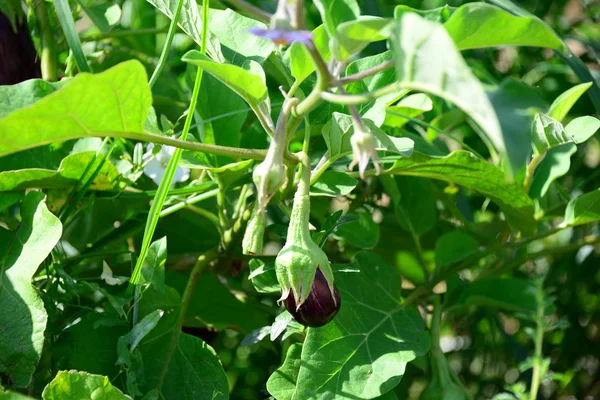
x=366 y=73
x=167 y=46
x=251 y=9
x=49 y=56
x=539 y=340
x=201 y=263
x=535 y=161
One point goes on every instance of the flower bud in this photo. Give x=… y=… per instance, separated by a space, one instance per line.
x=269 y=177
x=301 y=258
x=319 y=308
x=363 y=150
x=252 y=244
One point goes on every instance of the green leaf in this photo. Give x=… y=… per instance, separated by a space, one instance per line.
x=363 y=352
x=362 y=232
x=22 y=314
x=583 y=209
x=282 y=382
x=334 y=12
x=75 y=385
x=191 y=23
x=244 y=82
x=128 y=343
x=408 y=107
x=373 y=110
x=263 y=276
x=555 y=164
x=427 y=60
x=477 y=25
x=120 y=97
x=414 y=203
x=452 y=247
x=464 y=169
x=72 y=170
x=582 y=128
x=237 y=43
x=339 y=129
x=505 y=293
x=300 y=62
x=563 y=103
x=90 y=345
x=13 y=97
x=194 y=371
x=219 y=310
x=516 y=105
x=332 y=184
x=353 y=36
x=153 y=270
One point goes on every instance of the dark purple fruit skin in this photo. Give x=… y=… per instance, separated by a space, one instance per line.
x=319 y=308
x=18 y=59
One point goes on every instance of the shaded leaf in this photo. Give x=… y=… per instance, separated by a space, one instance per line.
x=555 y=164
x=22 y=314
x=454 y=246
x=263 y=276
x=362 y=232
x=463 y=168
x=282 y=382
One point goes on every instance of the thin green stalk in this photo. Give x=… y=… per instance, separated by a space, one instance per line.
x=251 y=9
x=49 y=62
x=366 y=73
x=65 y=18
x=167 y=46
x=165 y=183
x=535 y=161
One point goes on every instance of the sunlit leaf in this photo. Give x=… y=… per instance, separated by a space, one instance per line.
x=75 y=385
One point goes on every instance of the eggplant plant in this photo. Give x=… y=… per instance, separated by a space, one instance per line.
x=321 y=199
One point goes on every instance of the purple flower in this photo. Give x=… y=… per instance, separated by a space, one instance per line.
x=280 y=36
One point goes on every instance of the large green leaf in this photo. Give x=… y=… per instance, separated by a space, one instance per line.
x=477 y=25
x=363 y=352
x=72 y=170
x=75 y=385
x=464 y=169
x=427 y=60
x=361 y=232
x=22 y=314
x=452 y=247
x=583 y=209
x=194 y=371
x=113 y=102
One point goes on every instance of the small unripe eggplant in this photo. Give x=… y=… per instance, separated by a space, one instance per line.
x=302 y=267
x=319 y=308
x=252 y=244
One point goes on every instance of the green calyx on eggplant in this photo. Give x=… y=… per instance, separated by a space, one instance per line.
x=302 y=267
